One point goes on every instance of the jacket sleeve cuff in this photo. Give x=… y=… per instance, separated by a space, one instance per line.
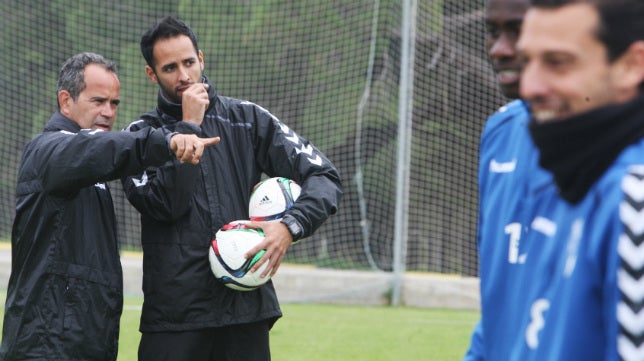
x=187 y=128
x=169 y=136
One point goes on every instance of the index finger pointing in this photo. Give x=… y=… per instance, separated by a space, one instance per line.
x=210 y=141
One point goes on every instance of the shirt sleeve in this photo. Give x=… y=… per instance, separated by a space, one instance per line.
x=69 y=161
x=284 y=153
x=475 y=350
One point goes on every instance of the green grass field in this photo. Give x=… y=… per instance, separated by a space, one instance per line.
x=313 y=332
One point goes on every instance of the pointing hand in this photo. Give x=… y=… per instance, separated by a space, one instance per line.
x=189 y=147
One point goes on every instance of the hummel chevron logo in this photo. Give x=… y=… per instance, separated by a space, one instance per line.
x=631 y=217
x=628 y=319
x=140 y=182
x=290 y=135
x=306 y=149
x=626 y=346
x=636 y=187
x=631 y=253
x=630 y=276
x=631 y=287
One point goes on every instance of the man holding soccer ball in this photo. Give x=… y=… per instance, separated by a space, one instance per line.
x=187 y=314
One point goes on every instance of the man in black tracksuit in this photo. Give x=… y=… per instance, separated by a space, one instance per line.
x=187 y=313
x=65 y=293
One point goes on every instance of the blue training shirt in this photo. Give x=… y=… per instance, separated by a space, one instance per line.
x=508 y=161
x=558 y=281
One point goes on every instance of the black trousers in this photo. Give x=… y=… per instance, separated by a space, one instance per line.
x=246 y=342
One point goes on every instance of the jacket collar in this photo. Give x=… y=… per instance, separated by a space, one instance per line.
x=59 y=122
x=174 y=110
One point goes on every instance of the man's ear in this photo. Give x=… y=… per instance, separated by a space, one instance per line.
x=65 y=102
x=151 y=75
x=631 y=66
x=200 y=56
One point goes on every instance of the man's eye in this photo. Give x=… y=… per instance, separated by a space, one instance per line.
x=557 y=62
x=492 y=31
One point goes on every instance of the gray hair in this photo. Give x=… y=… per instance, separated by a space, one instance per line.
x=71 y=76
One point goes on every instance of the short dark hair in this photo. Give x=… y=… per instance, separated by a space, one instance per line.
x=620 y=22
x=72 y=73
x=165 y=28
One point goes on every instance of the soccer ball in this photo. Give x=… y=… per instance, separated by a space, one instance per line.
x=271 y=198
x=227 y=260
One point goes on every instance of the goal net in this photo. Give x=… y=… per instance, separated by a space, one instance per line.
x=330 y=69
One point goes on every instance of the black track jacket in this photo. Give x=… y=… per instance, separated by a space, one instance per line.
x=183 y=205
x=65 y=296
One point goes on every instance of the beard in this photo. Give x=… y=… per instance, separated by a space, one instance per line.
x=170 y=93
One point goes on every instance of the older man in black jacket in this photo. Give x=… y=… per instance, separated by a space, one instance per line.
x=65 y=296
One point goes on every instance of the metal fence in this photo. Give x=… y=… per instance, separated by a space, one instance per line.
x=394 y=92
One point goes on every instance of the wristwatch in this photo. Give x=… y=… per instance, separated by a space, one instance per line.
x=293 y=226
